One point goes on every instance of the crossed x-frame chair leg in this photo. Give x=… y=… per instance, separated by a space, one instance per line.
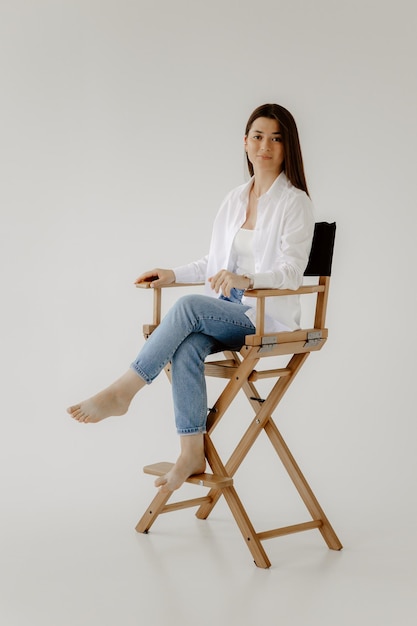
x=242 y=367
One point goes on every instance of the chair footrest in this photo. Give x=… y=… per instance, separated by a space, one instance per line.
x=204 y=480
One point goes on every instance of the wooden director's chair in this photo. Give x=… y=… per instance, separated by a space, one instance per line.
x=239 y=369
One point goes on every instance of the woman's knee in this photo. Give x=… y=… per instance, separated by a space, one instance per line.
x=191 y=298
x=190 y=303
x=189 y=350
x=190 y=356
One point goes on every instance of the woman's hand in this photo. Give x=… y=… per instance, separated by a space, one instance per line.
x=224 y=281
x=157 y=277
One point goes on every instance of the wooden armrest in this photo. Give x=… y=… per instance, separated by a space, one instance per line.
x=148 y=284
x=268 y=293
x=261 y=294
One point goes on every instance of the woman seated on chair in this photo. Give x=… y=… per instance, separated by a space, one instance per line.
x=261 y=239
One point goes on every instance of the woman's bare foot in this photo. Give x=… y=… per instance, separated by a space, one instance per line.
x=114 y=400
x=191 y=461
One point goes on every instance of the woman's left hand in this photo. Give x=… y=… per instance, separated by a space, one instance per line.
x=225 y=281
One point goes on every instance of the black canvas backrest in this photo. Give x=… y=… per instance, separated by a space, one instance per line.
x=321 y=255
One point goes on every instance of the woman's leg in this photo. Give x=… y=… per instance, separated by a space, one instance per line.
x=191 y=461
x=190 y=406
x=221 y=320
x=189 y=392
x=189 y=386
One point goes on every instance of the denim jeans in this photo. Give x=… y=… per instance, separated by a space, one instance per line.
x=194 y=327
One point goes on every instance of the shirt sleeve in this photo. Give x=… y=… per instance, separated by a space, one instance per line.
x=194 y=272
x=293 y=249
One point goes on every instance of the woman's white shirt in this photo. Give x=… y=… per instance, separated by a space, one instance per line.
x=281 y=246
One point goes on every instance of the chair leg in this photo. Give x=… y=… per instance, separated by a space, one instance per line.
x=263 y=421
x=238 y=511
x=302 y=485
x=262 y=416
x=152 y=512
x=245 y=525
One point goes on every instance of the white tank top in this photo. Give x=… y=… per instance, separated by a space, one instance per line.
x=243 y=251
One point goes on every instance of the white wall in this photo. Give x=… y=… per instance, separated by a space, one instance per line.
x=121 y=130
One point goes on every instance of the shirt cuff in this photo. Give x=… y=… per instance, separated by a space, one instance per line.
x=268 y=280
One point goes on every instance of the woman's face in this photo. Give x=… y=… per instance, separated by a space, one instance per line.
x=264 y=147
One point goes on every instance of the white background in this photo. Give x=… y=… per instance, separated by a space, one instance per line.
x=121 y=128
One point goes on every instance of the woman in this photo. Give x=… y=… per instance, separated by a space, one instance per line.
x=261 y=239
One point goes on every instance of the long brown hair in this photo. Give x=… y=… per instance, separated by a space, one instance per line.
x=293 y=160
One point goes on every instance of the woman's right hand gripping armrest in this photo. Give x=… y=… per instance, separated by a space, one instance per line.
x=157 y=277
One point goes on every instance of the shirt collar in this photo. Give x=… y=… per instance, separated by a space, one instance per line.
x=277 y=186
x=274 y=191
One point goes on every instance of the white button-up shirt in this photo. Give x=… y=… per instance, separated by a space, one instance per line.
x=281 y=245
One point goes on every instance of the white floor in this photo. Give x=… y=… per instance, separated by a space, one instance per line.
x=98 y=571
x=70 y=555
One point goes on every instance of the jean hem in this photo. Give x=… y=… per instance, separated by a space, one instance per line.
x=192 y=431
x=141 y=373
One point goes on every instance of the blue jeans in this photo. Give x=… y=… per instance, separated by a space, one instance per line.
x=194 y=327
